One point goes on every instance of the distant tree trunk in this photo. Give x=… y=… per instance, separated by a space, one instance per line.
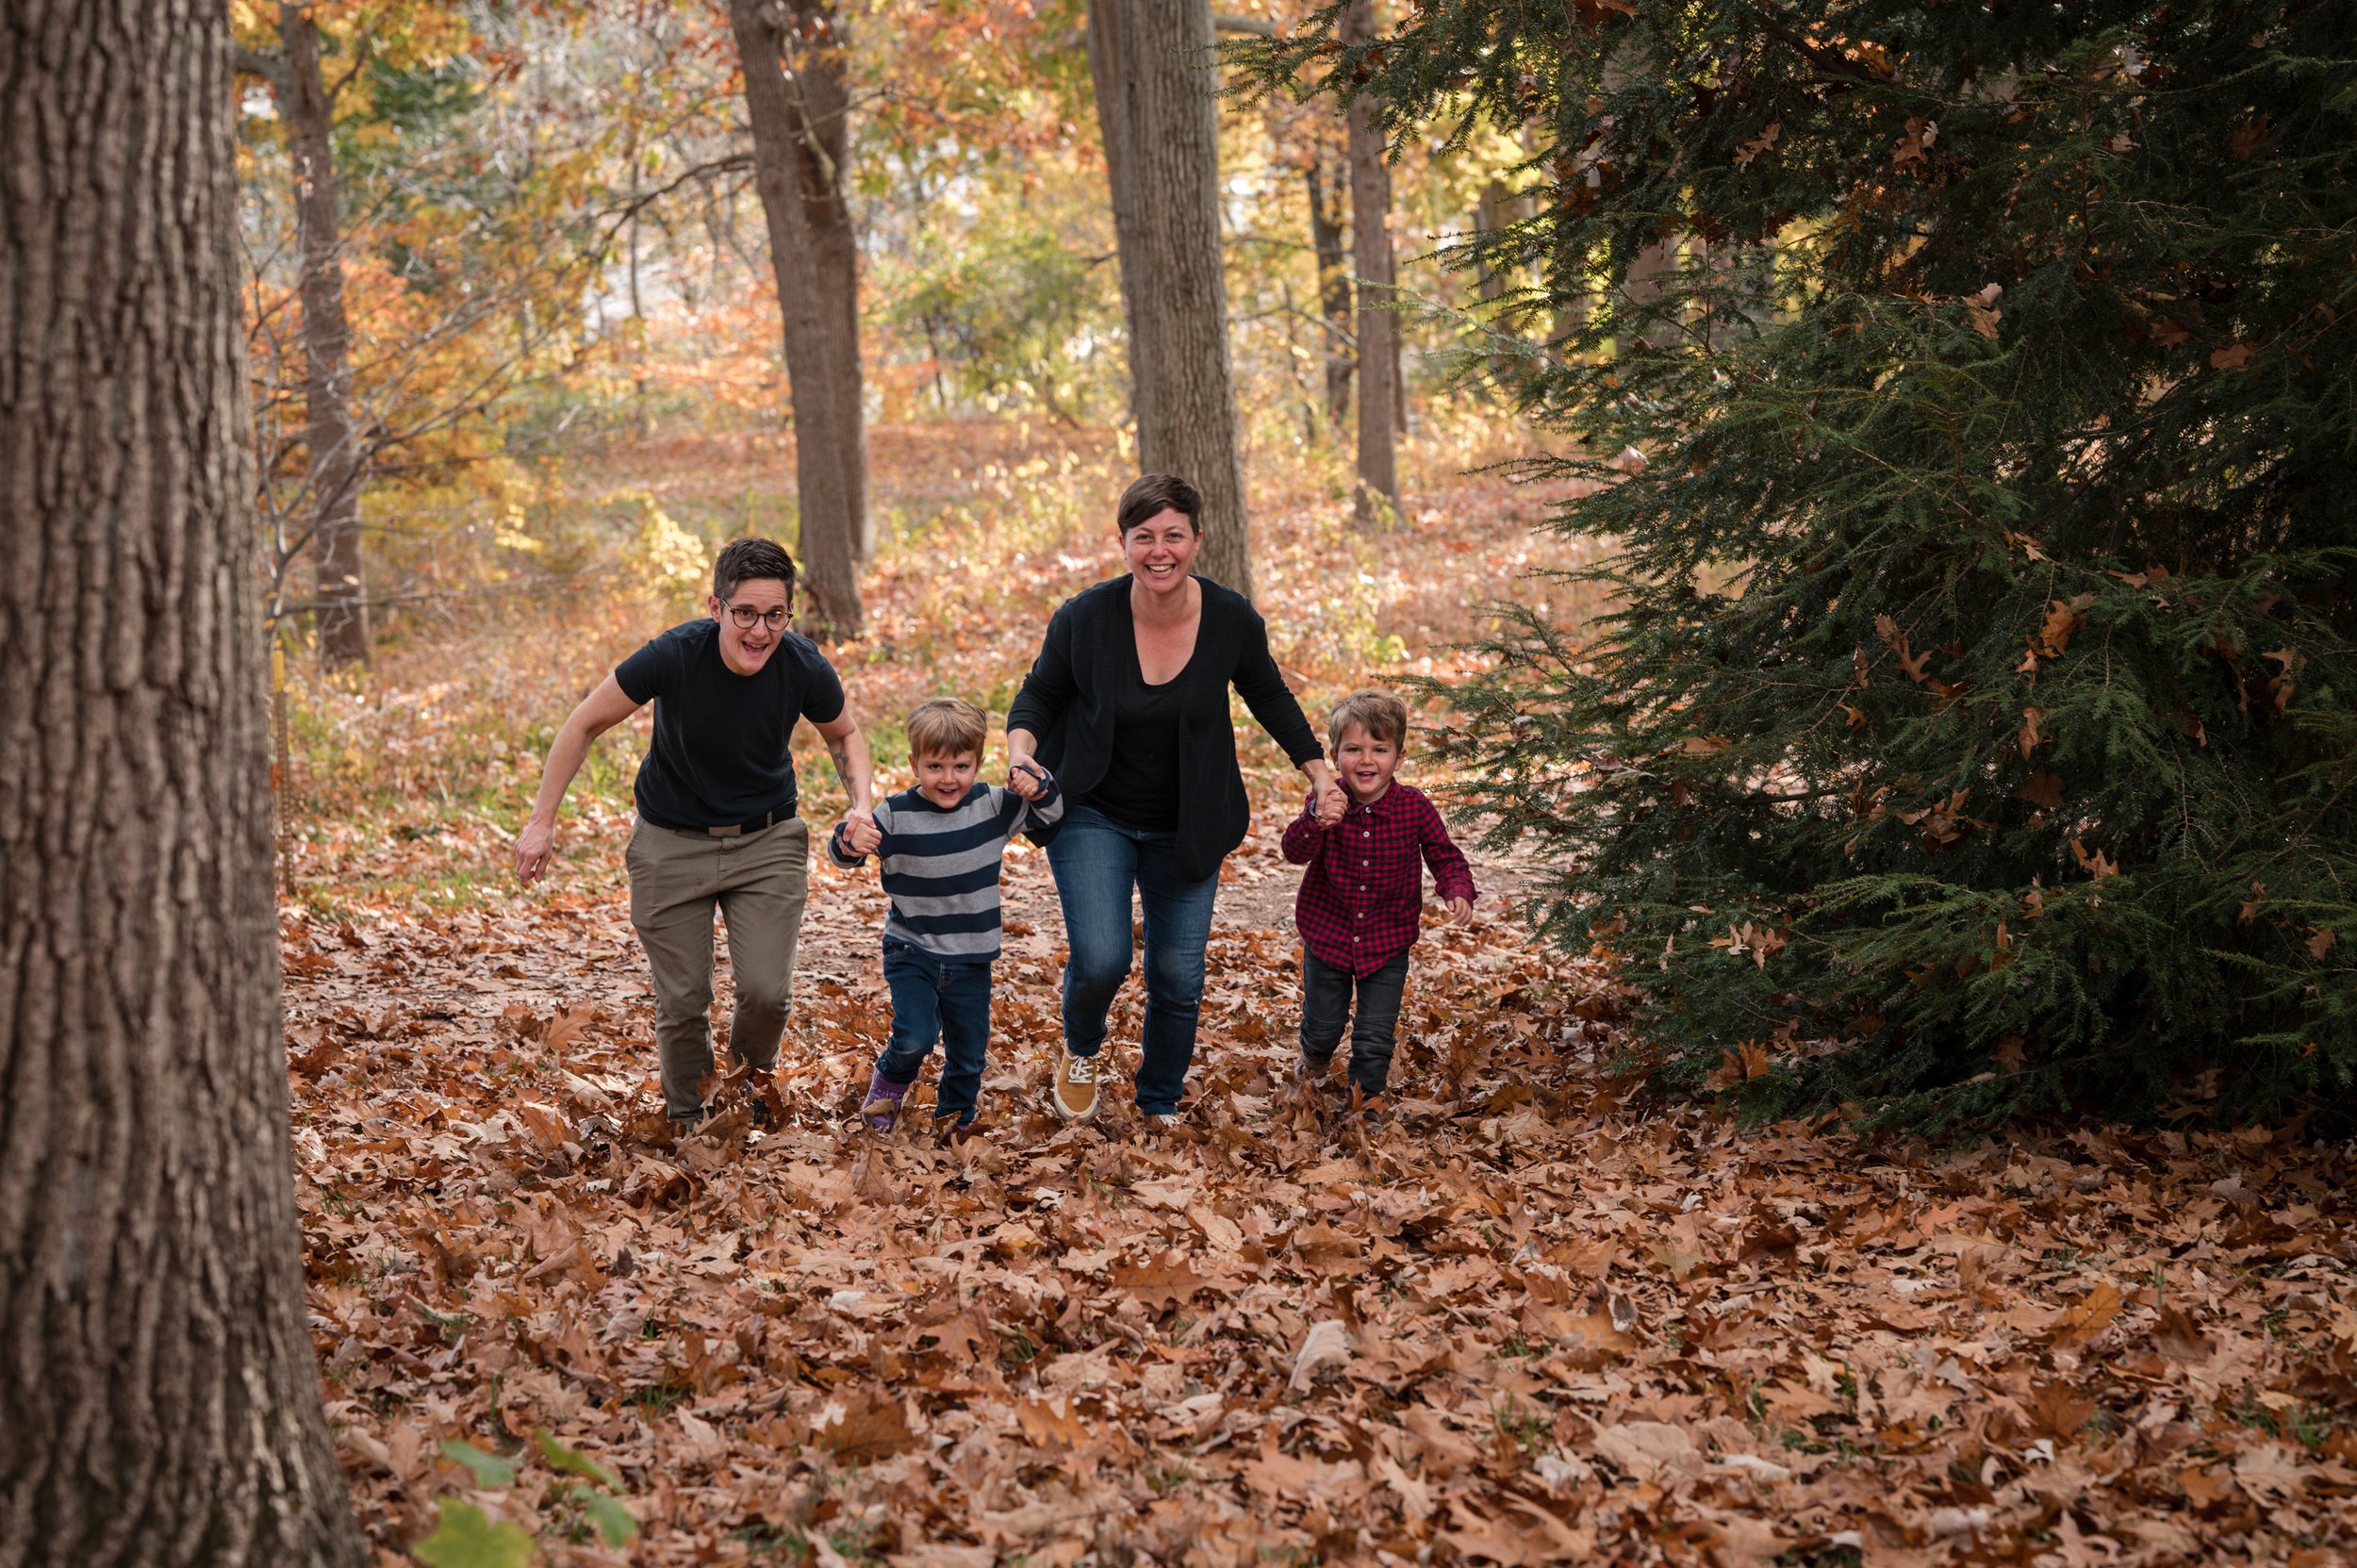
x=1379 y=328
x=1151 y=60
x=1499 y=210
x=1642 y=285
x=642 y=424
x=799 y=145
x=1490 y=217
x=334 y=477
x=159 y=1398
x=1325 y=243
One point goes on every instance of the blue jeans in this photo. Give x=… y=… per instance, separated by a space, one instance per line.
x=937 y=999
x=1096 y=862
x=1326 y=1012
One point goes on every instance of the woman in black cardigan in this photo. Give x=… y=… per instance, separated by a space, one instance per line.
x=1126 y=704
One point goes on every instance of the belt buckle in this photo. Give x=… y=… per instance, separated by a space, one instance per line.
x=729 y=831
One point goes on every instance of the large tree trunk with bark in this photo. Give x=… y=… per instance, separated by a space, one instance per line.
x=1333 y=261
x=334 y=475
x=159 y=1400
x=1379 y=327
x=800 y=142
x=1156 y=83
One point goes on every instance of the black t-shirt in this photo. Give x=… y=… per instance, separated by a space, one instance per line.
x=1140 y=788
x=720 y=753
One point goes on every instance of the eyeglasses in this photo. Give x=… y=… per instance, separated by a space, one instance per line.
x=745 y=615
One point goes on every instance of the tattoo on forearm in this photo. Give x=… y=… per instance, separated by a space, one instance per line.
x=840 y=755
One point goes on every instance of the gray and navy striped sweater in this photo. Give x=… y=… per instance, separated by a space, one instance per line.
x=940 y=866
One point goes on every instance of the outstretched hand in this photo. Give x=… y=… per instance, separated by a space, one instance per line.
x=535 y=845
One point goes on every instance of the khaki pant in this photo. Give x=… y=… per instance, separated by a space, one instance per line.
x=759 y=880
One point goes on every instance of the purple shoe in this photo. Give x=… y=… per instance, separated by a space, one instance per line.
x=882 y=1106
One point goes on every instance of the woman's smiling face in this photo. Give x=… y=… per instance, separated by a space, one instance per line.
x=1160 y=550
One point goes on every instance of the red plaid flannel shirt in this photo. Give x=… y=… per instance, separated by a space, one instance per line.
x=1361 y=901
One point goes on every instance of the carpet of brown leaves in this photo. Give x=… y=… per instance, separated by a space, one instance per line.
x=1532 y=1318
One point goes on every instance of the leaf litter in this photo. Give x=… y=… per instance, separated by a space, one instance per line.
x=1533 y=1316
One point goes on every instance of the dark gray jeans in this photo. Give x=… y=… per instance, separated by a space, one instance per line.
x=1325 y=1011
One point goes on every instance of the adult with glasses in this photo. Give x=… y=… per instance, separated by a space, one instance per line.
x=716 y=794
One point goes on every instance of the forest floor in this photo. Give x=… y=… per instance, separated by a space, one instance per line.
x=1535 y=1316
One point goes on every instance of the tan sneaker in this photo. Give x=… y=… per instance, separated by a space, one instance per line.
x=1075 y=1094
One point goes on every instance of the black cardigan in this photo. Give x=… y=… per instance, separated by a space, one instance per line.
x=1067 y=701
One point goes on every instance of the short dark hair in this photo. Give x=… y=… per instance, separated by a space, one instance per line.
x=1152 y=494
x=741 y=560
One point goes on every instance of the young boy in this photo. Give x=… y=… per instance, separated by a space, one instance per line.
x=938 y=848
x=1361 y=901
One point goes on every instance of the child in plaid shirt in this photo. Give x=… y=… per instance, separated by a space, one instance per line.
x=1361 y=903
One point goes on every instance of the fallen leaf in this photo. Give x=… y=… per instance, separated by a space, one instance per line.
x=466 y=1538
x=2176 y=1337
x=870 y=1428
x=1327 y=1344
x=2089 y=1316
x=1051 y=1423
x=1644 y=1449
x=1166 y=1281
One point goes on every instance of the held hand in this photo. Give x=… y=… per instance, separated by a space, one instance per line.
x=1026 y=779
x=861 y=833
x=1461 y=910
x=534 y=847
x=1332 y=802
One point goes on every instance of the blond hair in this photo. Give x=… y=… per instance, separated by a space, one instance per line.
x=1383 y=716
x=946 y=727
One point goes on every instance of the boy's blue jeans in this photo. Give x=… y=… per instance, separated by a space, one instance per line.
x=943 y=1000
x=1327 y=1011
x=1096 y=862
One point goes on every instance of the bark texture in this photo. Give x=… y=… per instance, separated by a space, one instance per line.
x=797 y=100
x=1328 y=244
x=1379 y=328
x=332 y=477
x=159 y=1398
x=1153 y=63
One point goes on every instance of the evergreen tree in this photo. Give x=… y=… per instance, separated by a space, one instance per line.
x=1971 y=392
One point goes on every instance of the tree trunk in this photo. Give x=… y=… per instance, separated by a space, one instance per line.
x=799 y=146
x=334 y=479
x=1325 y=243
x=159 y=1398
x=1151 y=62
x=1379 y=328
x=1641 y=286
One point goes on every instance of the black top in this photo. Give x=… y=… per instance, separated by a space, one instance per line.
x=1141 y=783
x=1071 y=702
x=720 y=753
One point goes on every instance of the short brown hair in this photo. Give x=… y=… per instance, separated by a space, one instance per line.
x=1383 y=716
x=946 y=727
x=742 y=560
x=1153 y=494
